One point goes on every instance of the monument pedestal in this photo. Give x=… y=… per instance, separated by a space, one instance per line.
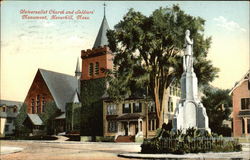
x=190 y=112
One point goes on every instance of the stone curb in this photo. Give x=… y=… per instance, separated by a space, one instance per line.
x=210 y=155
x=8 y=150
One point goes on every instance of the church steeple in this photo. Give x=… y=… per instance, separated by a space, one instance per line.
x=101 y=38
x=99 y=57
x=78 y=70
x=104 y=9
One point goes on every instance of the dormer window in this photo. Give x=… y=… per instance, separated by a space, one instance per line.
x=97 y=68
x=91 y=69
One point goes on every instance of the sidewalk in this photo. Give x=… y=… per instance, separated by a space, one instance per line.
x=210 y=155
x=244 y=154
x=8 y=150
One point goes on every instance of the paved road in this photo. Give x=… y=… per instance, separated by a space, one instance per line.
x=38 y=150
x=63 y=150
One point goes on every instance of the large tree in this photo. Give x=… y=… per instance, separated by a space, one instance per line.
x=219 y=107
x=148 y=53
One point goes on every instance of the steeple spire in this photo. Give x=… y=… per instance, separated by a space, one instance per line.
x=101 y=38
x=78 y=71
x=104 y=9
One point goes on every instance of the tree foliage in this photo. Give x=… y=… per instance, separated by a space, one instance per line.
x=148 y=53
x=218 y=106
x=50 y=112
x=91 y=110
x=20 y=129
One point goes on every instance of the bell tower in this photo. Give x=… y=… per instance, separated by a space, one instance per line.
x=93 y=82
x=99 y=58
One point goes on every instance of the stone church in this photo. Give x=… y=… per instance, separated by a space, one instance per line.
x=51 y=87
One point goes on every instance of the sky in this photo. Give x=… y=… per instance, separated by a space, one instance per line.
x=55 y=44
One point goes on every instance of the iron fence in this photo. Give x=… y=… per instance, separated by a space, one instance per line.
x=203 y=143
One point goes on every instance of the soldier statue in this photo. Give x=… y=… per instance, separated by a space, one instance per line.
x=188 y=53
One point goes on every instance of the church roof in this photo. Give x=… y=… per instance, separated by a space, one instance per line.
x=35 y=119
x=101 y=38
x=62 y=116
x=61 y=86
x=75 y=98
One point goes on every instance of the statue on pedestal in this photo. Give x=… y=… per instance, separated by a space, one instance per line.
x=188 y=53
x=190 y=112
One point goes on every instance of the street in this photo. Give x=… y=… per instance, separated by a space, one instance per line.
x=39 y=150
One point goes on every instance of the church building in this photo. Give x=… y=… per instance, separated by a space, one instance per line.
x=55 y=88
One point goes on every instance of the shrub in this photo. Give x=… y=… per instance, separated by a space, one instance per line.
x=193 y=141
x=105 y=139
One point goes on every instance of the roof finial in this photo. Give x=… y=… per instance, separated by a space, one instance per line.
x=104 y=6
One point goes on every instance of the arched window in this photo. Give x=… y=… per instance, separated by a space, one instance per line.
x=91 y=69
x=97 y=68
x=32 y=105
x=43 y=104
x=38 y=110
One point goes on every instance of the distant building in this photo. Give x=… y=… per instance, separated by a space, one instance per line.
x=49 y=86
x=8 y=113
x=241 y=107
x=135 y=118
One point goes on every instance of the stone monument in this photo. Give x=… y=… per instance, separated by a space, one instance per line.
x=190 y=112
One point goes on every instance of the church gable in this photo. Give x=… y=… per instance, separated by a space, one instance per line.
x=38 y=95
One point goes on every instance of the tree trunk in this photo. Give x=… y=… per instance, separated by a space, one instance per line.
x=157 y=106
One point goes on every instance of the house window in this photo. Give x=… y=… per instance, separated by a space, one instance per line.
x=9 y=120
x=97 y=68
x=91 y=69
x=4 y=109
x=43 y=104
x=243 y=126
x=151 y=107
x=126 y=108
x=111 y=109
x=170 y=105
x=15 y=110
x=248 y=84
x=171 y=90
x=152 y=124
x=179 y=92
x=137 y=107
x=6 y=128
x=245 y=103
x=112 y=126
x=33 y=105
x=38 y=110
x=248 y=125
x=140 y=125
